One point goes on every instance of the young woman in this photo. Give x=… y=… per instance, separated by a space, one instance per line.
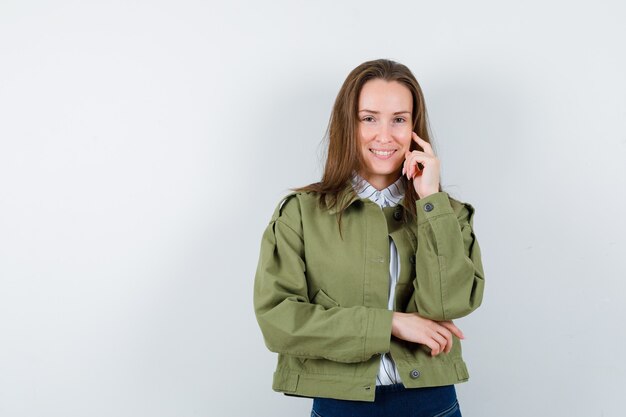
x=361 y=274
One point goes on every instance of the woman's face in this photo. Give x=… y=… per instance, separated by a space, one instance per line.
x=384 y=130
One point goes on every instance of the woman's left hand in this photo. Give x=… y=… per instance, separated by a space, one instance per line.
x=426 y=180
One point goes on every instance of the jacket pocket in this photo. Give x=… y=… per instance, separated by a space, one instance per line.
x=324 y=300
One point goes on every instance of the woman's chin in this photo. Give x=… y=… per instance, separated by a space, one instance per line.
x=385 y=168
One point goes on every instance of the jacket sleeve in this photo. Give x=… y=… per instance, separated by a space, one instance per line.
x=290 y=323
x=449 y=279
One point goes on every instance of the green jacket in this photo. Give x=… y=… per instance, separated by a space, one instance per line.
x=321 y=302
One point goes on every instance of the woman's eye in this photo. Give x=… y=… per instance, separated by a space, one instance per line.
x=368 y=119
x=400 y=119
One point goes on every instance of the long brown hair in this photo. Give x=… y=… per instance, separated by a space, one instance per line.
x=344 y=156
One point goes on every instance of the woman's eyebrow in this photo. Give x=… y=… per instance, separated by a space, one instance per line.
x=376 y=112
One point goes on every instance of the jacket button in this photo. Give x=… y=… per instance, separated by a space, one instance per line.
x=428 y=207
x=397 y=214
x=415 y=374
x=412 y=259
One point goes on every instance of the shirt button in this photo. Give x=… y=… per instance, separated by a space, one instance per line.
x=415 y=374
x=397 y=214
x=428 y=207
x=412 y=259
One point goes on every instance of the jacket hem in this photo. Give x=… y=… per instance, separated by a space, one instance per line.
x=363 y=388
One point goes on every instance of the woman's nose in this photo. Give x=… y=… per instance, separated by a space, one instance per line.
x=384 y=134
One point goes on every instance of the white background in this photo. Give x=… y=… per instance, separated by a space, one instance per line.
x=145 y=144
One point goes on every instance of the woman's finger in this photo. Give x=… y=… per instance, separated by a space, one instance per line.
x=443 y=331
x=441 y=341
x=452 y=327
x=407 y=164
x=413 y=159
x=433 y=344
x=425 y=145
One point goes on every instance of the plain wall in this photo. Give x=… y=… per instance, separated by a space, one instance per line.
x=145 y=144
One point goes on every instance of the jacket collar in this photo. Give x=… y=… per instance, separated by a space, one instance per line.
x=349 y=194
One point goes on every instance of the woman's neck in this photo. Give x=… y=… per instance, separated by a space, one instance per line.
x=380 y=181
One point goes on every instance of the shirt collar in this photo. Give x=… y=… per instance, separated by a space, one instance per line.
x=350 y=194
x=386 y=197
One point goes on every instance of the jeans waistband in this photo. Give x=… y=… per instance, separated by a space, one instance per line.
x=390 y=388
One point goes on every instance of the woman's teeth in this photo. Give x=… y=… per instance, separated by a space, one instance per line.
x=383 y=153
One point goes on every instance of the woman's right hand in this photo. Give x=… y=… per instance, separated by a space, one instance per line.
x=437 y=335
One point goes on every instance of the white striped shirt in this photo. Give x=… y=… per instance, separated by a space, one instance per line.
x=389 y=197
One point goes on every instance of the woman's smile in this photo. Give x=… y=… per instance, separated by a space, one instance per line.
x=382 y=154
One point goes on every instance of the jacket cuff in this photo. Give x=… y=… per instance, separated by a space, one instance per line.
x=378 y=337
x=433 y=205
